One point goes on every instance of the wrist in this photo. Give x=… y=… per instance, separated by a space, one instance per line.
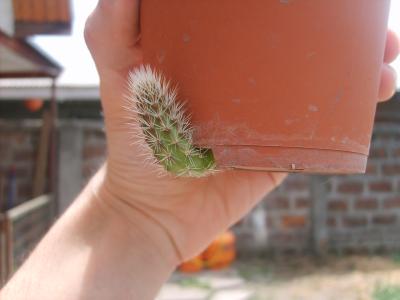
x=140 y=228
x=100 y=252
x=137 y=250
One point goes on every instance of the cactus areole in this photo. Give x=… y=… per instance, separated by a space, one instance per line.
x=166 y=128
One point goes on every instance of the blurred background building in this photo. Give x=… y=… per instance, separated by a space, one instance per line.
x=28 y=181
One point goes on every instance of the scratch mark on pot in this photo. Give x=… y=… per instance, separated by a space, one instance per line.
x=345 y=140
x=312 y=108
x=333 y=139
x=161 y=56
x=252 y=81
x=291 y=121
x=284 y=1
x=236 y=100
x=312 y=133
x=311 y=54
x=339 y=95
x=186 y=38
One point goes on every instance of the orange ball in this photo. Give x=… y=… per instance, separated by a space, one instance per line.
x=222 y=251
x=193 y=265
x=33 y=104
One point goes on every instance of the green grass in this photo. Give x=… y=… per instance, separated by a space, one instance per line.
x=387 y=292
x=194 y=283
x=396 y=258
x=254 y=271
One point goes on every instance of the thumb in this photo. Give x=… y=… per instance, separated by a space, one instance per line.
x=123 y=16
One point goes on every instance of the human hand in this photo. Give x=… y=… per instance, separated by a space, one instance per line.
x=387 y=86
x=181 y=215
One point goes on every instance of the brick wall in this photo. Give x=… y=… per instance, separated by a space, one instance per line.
x=363 y=211
x=286 y=213
x=18 y=148
x=93 y=151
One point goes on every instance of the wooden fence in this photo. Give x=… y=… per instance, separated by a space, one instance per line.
x=21 y=228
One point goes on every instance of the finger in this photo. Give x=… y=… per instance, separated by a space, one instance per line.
x=387 y=86
x=123 y=16
x=392 y=47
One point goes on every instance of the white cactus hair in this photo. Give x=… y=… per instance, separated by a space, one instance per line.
x=162 y=127
x=144 y=81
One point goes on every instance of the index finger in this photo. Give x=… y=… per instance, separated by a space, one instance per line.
x=392 y=47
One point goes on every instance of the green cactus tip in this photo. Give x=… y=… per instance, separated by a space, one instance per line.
x=165 y=127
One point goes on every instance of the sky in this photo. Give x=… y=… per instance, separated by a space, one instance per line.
x=77 y=62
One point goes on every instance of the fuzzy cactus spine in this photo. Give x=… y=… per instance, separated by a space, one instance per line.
x=166 y=128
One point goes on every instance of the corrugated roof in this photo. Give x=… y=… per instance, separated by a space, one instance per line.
x=42 y=11
x=42 y=16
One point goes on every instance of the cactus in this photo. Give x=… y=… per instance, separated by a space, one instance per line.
x=165 y=127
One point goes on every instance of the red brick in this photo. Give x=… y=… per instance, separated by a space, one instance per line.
x=291 y=221
x=88 y=170
x=337 y=205
x=391 y=169
x=94 y=135
x=3 y=150
x=24 y=171
x=384 y=219
x=94 y=151
x=302 y=203
x=366 y=203
x=277 y=203
x=296 y=185
x=378 y=153
x=387 y=136
x=25 y=155
x=331 y=222
x=270 y=223
x=396 y=152
x=354 y=221
x=328 y=186
x=356 y=250
x=380 y=186
x=392 y=202
x=24 y=190
x=371 y=169
x=16 y=137
x=350 y=187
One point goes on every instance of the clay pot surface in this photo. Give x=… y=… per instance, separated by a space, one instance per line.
x=273 y=85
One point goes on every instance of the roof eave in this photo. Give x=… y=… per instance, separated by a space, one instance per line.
x=46 y=66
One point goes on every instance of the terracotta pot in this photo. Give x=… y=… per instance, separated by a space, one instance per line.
x=273 y=85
